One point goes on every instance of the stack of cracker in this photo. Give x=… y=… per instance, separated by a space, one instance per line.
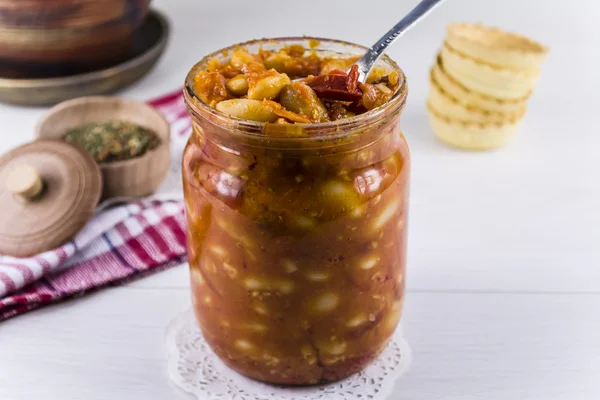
x=480 y=85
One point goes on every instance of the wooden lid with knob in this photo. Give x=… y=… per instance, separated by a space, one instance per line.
x=23 y=180
x=48 y=191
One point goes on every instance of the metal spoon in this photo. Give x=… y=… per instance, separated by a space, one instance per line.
x=366 y=62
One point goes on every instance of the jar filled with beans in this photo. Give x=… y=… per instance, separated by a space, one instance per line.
x=296 y=188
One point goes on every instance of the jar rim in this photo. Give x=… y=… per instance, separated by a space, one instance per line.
x=331 y=130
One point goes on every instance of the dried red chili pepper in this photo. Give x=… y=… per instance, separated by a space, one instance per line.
x=337 y=72
x=336 y=85
x=352 y=79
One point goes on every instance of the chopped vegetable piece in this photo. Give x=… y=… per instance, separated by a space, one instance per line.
x=211 y=87
x=229 y=71
x=245 y=61
x=375 y=95
x=213 y=64
x=278 y=109
x=342 y=64
x=301 y=99
x=339 y=110
x=277 y=61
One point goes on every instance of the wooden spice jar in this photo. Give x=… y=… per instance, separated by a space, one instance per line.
x=134 y=177
x=49 y=188
x=48 y=191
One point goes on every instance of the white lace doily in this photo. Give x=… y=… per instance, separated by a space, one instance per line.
x=197 y=370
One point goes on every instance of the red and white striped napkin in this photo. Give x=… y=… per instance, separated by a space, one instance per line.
x=118 y=244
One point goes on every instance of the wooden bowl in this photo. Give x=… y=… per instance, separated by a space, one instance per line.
x=40 y=38
x=136 y=177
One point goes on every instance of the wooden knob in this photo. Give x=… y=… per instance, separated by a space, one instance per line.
x=24 y=181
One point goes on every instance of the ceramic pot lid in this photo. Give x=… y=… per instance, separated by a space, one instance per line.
x=48 y=191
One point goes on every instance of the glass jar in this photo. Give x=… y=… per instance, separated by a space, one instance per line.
x=297 y=245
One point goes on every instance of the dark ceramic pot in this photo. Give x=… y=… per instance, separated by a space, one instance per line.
x=43 y=38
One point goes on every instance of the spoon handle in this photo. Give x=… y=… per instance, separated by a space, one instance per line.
x=366 y=62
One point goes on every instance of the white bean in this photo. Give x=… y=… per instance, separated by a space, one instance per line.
x=238 y=85
x=255 y=327
x=197 y=277
x=244 y=345
x=388 y=212
x=356 y=321
x=369 y=262
x=302 y=222
x=261 y=309
x=218 y=251
x=241 y=58
x=336 y=349
x=253 y=110
x=317 y=276
x=267 y=87
x=281 y=286
x=277 y=61
x=326 y=303
x=393 y=317
x=253 y=284
x=309 y=354
x=231 y=271
x=289 y=266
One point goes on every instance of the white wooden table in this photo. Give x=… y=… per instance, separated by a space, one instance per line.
x=504 y=252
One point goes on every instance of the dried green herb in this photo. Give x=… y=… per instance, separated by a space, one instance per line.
x=113 y=140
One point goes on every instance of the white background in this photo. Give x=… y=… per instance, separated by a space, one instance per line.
x=504 y=250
